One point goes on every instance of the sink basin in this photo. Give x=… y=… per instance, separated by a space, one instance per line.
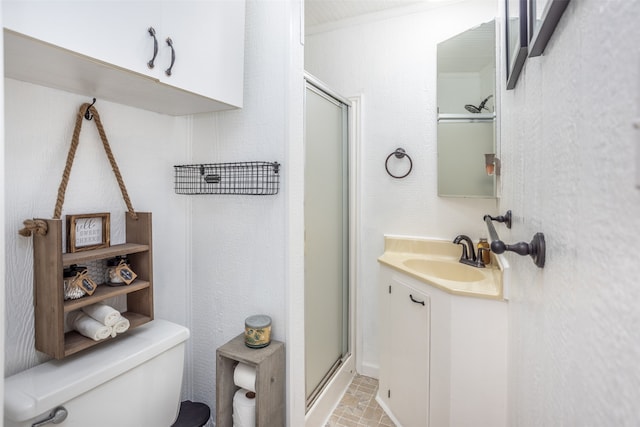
x=436 y=263
x=446 y=270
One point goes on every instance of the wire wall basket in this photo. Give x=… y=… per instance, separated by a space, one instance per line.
x=250 y=178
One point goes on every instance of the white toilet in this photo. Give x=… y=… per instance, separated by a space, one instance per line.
x=134 y=381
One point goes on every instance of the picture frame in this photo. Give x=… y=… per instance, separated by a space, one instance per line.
x=88 y=231
x=543 y=19
x=516 y=30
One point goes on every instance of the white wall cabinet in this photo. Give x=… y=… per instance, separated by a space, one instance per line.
x=444 y=363
x=102 y=49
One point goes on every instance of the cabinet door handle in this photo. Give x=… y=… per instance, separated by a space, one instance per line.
x=152 y=33
x=415 y=300
x=173 y=56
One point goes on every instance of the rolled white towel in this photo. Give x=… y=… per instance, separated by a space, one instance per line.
x=104 y=314
x=121 y=325
x=88 y=327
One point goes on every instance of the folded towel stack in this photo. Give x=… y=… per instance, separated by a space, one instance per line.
x=104 y=314
x=98 y=321
x=88 y=326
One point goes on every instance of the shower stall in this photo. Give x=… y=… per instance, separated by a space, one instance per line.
x=326 y=219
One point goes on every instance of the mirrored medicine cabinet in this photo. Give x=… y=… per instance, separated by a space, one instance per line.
x=466 y=113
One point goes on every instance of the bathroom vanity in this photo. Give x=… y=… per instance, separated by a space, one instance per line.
x=443 y=336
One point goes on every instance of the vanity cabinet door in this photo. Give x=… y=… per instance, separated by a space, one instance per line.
x=404 y=361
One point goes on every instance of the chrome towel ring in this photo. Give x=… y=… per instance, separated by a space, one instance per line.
x=399 y=153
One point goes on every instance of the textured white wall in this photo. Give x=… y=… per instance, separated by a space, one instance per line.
x=241 y=261
x=568 y=155
x=217 y=259
x=38 y=128
x=2 y=238
x=392 y=63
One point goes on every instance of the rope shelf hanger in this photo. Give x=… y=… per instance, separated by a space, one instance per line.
x=89 y=112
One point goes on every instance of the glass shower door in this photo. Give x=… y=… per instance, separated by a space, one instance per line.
x=326 y=238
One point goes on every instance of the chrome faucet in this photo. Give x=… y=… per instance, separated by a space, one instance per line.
x=468 y=252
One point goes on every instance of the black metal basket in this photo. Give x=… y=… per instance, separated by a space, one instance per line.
x=249 y=178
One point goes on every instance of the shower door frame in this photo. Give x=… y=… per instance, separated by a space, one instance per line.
x=335 y=383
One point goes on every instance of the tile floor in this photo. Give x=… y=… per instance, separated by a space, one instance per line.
x=358 y=407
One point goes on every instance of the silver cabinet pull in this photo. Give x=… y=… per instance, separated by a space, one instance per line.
x=173 y=57
x=57 y=416
x=152 y=33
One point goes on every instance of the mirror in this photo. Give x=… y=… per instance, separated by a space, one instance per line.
x=466 y=113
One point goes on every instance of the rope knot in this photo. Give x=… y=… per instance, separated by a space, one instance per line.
x=34 y=226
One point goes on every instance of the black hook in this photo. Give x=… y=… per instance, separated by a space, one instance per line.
x=87 y=114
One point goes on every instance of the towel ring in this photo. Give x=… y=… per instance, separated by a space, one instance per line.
x=399 y=153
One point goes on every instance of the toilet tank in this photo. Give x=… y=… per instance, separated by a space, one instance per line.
x=133 y=381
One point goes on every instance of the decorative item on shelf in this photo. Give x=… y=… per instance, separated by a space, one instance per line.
x=399 y=153
x=88 y=231
x=257 y=331
x=77 y=282
x=71 y=291
x=119 y=272
x=241 y=178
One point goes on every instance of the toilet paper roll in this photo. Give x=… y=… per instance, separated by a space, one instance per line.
x=244 y=408
x=244 y=376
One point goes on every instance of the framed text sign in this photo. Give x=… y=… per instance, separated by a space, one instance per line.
x=88 y=231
